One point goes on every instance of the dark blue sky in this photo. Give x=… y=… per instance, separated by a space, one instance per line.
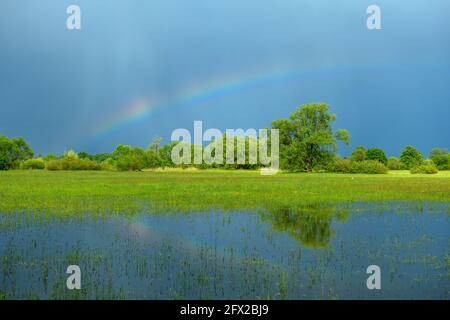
x=138 y=69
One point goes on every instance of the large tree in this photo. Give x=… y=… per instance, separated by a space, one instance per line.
x=411 y=157
x=12 y=151
x=307 y=139
x=358 y=154
x=376 y=154
x=152 y=152
x=441 y=157
x=129 y=158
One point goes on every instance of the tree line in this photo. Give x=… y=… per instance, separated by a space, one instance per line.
x=308 y=143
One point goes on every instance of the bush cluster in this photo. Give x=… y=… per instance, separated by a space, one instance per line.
x=72 y=164
x=427 y=167
x=350 y=166
x=411 y=157
x=441 y=158
x=297 y=153
x=35 y=163
x=394 y=163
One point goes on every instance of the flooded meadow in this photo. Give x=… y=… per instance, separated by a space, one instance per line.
x=308 y=252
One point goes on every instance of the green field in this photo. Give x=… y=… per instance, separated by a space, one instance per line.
x=126 y=192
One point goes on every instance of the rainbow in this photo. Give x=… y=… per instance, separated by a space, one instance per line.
x=193 y=95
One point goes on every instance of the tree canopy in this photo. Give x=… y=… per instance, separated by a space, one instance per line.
x=358 y=154
x=12 y=151
x=307 y=139
x=411 y=157
x=376 y=154
x=441 y=158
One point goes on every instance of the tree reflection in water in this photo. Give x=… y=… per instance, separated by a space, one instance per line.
x=310 y=225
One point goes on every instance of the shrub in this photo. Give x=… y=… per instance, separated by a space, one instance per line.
x=358 y=154
x=367 y=166
x=394 y=164
x=441 y=158
x=70 y=155
x=427 y=167
x=49 y=157
x=341 y=165
x=100 y=157
x=106 y=166
x=411 y=157
x=376 y=154
x=53 y=165
x=86 y=164
x=130 y=162
x=71 y=163
x=442 y=162
x=36 y=163
x=129 y=158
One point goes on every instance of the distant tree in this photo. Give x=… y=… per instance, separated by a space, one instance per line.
x=70 y=155
x=100 y=157
x=152 y=152
x=245 y=149
x=376 y=154
x=286 y=128
x=6 y=153
x=84 y=155
x=155 y=144
x=49 y=157
x=441 y=158
x=306 y=138
x=13 y=151
x=290 y=157
x=358 y=154
x=24 y=152
x=411 y=157
x=165 y=154
x=394 y=163
x=343 y=135
x=438 y=152
x=129 y=158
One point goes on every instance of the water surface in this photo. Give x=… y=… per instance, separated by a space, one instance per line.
x=314 y=252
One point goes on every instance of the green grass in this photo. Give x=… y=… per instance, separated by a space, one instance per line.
x=121 y=192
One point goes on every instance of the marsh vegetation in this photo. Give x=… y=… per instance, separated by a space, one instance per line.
x=223 y=234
